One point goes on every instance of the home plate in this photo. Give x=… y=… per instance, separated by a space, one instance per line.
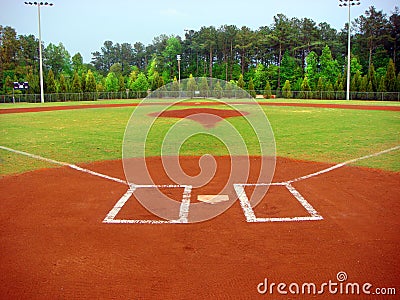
x=212 y=199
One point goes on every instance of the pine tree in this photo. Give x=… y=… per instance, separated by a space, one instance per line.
x=174 y=88
x=90 y=82
x=50 y=83
x=203 y=87
x=33 y=81
x=240 y=82
x=320 y=88
x=121 y=83
x=191 y=85
x=329 y=90
x=251 y=90
x=286 y=90
x=398 y=83
x=382 y=85
x=155 y=78
x=370 y=90
x=267 y=91
x=390 y=77
x=218 y=90
x=76 y=84
x=91 y=86
x=63 y=88
x=83 y=82
x=305 y=89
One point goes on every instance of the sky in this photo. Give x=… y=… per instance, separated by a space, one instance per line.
x=84 y=25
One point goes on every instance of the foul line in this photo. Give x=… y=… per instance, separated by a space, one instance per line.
x=60 y=163
x=75 y=167
x=342 y=165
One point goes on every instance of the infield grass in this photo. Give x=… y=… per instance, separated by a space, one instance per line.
x=86 y=135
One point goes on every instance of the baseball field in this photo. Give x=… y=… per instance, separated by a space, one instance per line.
x=73 y=226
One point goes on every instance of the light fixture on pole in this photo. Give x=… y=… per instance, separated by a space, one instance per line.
x=39 y=4
x=178 y=58
x=348 y=3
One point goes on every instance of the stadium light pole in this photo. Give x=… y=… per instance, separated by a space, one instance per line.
x=39 y=4
x=178 y=58
x=348 y=3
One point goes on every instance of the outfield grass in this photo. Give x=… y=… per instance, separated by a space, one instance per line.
x=75 y=136
x=125 y=101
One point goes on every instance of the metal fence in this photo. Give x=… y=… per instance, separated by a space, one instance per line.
x=230 y=94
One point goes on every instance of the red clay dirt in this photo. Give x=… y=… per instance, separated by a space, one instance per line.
x=316 y=105
x=54 y=245
x=207 y=117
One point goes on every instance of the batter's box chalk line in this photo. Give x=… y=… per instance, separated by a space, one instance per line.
x=183 y=210
x=249 y=212
x=185 y=204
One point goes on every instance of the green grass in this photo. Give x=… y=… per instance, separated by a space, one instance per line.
x=67 y=103
x=124 y=101
x=75 y=136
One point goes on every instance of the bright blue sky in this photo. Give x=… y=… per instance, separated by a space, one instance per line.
x=83 y=26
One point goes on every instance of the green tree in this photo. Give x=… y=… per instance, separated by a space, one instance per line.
x=77 y=62
x=372 y=77
x=370 y=91
x=251 y=90
x=305 y=89
x=382 y=85
x=329 y=68
x=329 y=91
x=50 y=83
x=121 y=83
x=203 y=87
x=398 y=82
x=240 y=82
x=390 y=77
x=140 y=85
x=267 y=91
x=91 y=86
x=111 y=83
x=191 y=85
x=116 y=68
x=63 y=87
x=260 y=77
x=76 y=84
x=217 y=90
x=33 y=80
x=320 y=88
x=57 y=58
x=311 y=70
x=290 y=69
x=90 y=82
x=286 y=90
x=8 y=85
x=83 y=81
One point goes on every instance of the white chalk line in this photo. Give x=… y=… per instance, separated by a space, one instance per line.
x=252 y=218
x=60 y=163
x=314 y=215
x=185 y=204
x=343 y=164
x=183 y=210
x=110 y=218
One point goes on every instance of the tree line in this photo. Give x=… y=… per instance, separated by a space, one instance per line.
x=289 y=55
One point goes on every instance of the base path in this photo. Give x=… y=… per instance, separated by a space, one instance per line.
x=54 y=244
x=316 y=105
